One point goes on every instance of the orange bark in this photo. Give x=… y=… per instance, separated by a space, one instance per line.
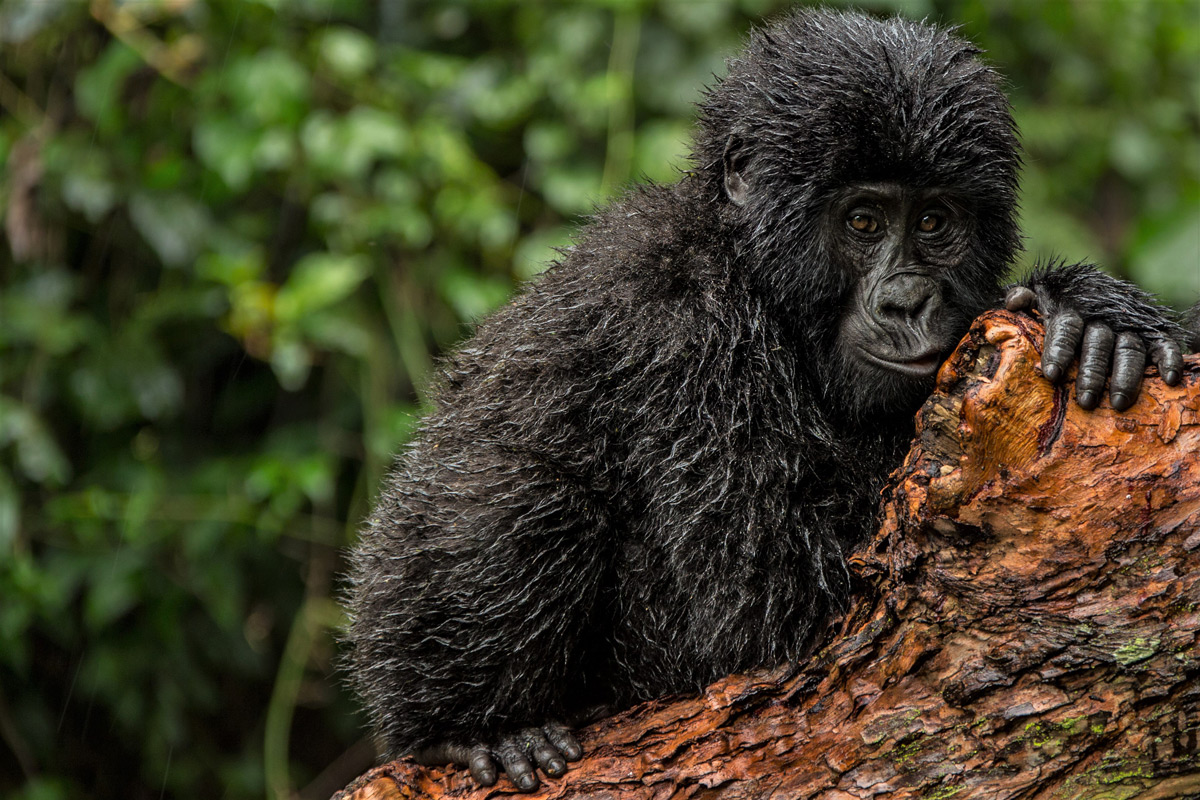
x=1027 y=625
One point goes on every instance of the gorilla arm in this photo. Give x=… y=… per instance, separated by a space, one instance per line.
x=484 y=562
x=478 y=571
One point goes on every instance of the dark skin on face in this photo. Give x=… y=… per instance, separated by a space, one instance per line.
x=901 y=247
x=903 y=244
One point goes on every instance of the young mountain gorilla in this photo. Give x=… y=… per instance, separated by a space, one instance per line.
x=644 y=473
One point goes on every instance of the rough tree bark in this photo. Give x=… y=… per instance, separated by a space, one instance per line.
x=1027 y=625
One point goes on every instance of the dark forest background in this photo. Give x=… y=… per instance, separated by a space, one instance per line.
x=238 y=233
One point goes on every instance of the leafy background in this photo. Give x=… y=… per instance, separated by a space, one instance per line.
x=237 y=234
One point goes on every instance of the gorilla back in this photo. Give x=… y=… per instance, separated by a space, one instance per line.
x=644 y=473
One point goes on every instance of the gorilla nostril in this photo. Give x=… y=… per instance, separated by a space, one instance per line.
x=906 y=298
x=906 y=309
x=923 y=311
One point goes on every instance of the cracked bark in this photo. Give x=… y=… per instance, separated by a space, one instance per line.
x=1027 y=623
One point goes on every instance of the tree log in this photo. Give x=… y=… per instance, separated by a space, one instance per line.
x=1026 y=625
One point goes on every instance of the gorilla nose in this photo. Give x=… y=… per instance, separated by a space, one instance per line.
x=906 y=298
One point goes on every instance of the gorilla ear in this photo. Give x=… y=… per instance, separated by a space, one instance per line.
x=735 y=160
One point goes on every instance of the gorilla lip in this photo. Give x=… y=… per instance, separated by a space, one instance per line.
x=922 y=366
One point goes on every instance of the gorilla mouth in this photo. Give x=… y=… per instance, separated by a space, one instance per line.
x=922 y=366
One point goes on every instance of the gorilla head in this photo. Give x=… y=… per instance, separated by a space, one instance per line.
x=871 y=168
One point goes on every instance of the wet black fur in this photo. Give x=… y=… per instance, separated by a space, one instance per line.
x=644 y=473
x=1191 y=324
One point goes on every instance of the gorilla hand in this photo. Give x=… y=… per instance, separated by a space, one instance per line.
x=520 y=754
x=1113 y=327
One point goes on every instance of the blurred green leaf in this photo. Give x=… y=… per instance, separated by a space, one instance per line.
x=338 y=329
x=112 y=593
x=269 y=88
x=275 y=150
x=573 y=189
x=661 y=150
x=98 y=87
x=291 y=361
x=319 y=280
x=165 y=170
x=1134 y=150
x=231 y=268
x=346 y=146
x=174 y=225
x=157 y=390
x=494 y=94
x=473 y=297
x=535 y=252
x=548 y=140
x=88 y=186
x=38 y=456
x=348 y=53
x=37 y=313
x=1166 y=258
x=228 y=147
x=10 y=521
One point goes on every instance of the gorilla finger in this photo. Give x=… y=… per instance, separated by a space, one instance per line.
x=561 y=737
x=1020 y=298
x=476 y=757
x=1063 y=332
x=547 y=757
x=517 y=765
x=482 y=766
x=1167 y=355
x=1095 y=357
x=443 y=753
x=1129 y=362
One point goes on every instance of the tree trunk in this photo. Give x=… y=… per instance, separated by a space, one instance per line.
x=1026 y=623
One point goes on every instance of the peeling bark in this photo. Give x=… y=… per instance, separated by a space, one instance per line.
x=1027 y=623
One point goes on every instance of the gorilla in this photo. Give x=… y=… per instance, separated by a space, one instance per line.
x=646 y=472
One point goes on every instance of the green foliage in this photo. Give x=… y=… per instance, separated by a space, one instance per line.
x=237 y=234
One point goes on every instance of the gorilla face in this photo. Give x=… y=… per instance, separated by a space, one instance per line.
x=901 y=249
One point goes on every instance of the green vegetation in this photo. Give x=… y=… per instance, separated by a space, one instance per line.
x=237 y=233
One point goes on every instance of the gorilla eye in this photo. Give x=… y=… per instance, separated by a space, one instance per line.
x=862 y=222
x=930 y=222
